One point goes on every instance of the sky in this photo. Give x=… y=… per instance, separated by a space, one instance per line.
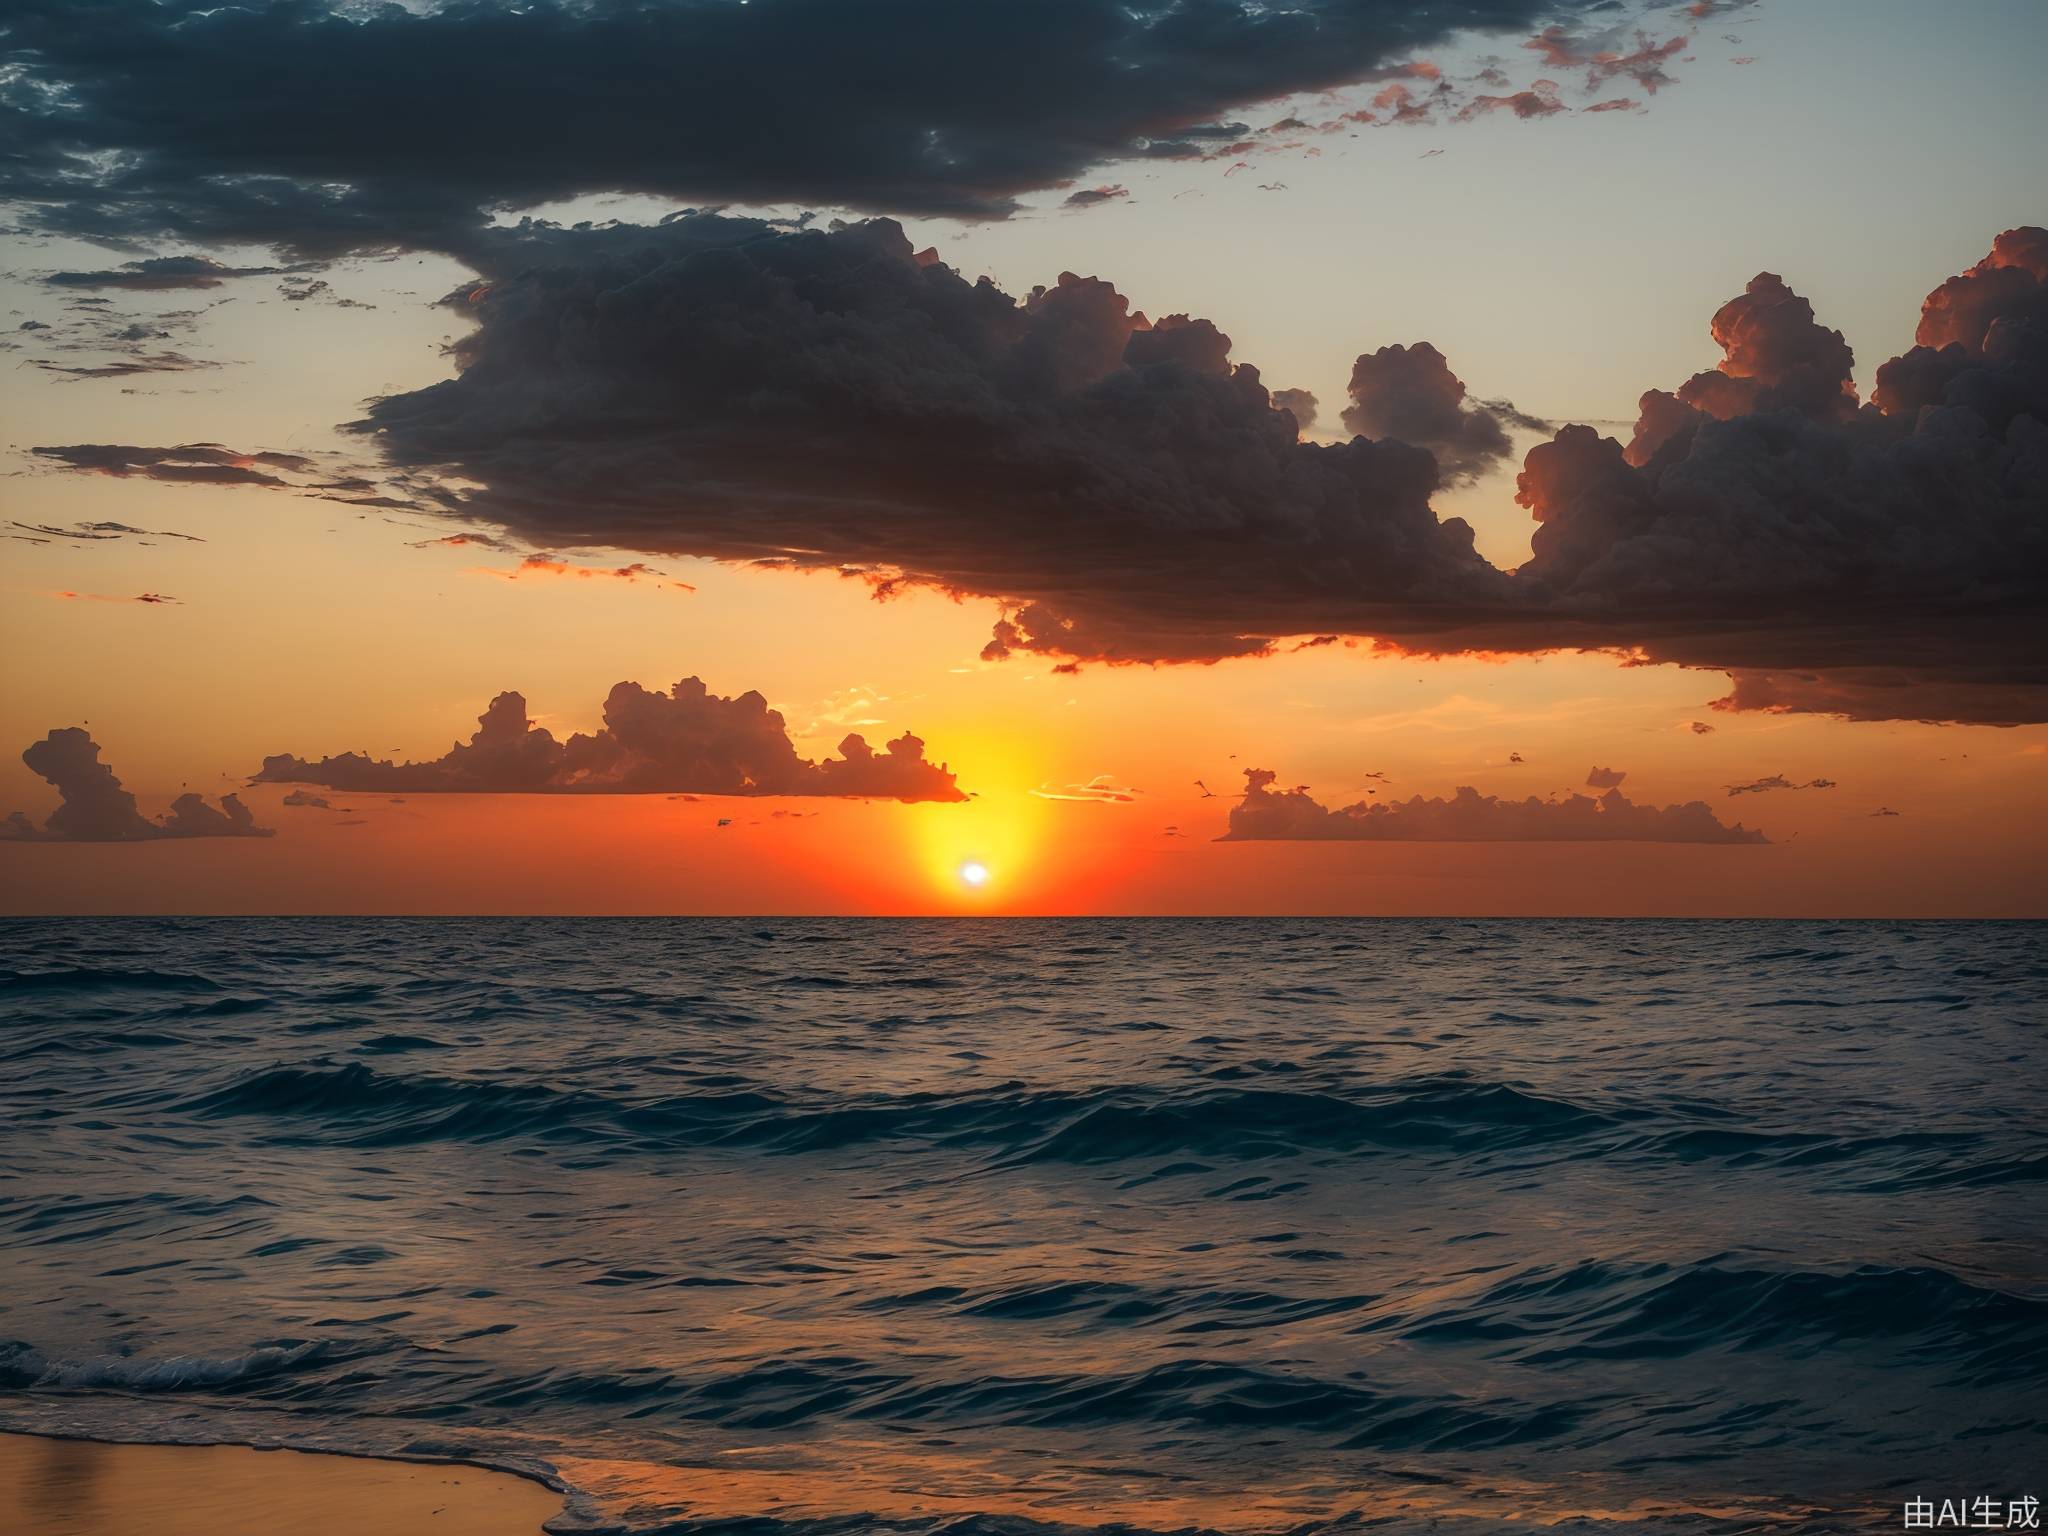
x=351 y=389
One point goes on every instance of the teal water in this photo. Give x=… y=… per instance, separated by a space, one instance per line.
x=1718 y=1226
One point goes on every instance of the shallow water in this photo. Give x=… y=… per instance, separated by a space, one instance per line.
x=1235 y=1224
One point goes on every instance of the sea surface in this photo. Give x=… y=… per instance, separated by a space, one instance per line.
x=841 y=1226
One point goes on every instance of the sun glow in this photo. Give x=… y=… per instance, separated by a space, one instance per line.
x=987 y=853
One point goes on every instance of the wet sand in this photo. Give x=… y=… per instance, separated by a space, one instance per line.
x=83 y=1488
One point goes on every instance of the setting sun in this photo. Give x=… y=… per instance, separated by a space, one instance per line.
x=974 y=873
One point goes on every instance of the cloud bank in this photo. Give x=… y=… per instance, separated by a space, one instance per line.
x=306 y=126
x=1123 y=490
x=1269 y=815
x=686 y=741
x=94 y=808
x=1130 y=493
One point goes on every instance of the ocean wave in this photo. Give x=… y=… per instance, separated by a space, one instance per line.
x=1325 y=1207
x=1197 y=1394
x=23 y=1366
x=103 y=979
x=1188 y=1310
x=360 y=1106
x=1594 y=1310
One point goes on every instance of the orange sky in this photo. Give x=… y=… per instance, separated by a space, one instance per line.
x=397 y=654
x=308 y=627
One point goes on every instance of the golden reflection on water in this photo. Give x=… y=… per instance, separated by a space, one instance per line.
x=839 y=1477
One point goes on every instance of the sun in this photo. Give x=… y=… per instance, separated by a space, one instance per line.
x=974 y=873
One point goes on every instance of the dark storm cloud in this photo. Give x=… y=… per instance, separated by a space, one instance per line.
x=830 y=399
x=1126 y=492
x=319 y=128
x=1269 y=815
x=686 y=741
x=94 y=808
x=1987 y=673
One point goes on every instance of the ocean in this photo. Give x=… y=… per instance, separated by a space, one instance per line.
x=839 y=1226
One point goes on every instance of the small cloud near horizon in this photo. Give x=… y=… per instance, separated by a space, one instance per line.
x=94 y=808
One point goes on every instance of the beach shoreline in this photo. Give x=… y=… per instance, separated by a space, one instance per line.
x=67 y=1486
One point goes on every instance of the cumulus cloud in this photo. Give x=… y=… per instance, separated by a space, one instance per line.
x=1269 y=815
x=1125 y=491
x=94 y=808
x=688 y=740
x=1604 y=778
x=1777 y=358
x=1298 y=403
x=1409 y=393
x=1979 y=343
x=303 y=126
x=826 y=392
x=1877 y=562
